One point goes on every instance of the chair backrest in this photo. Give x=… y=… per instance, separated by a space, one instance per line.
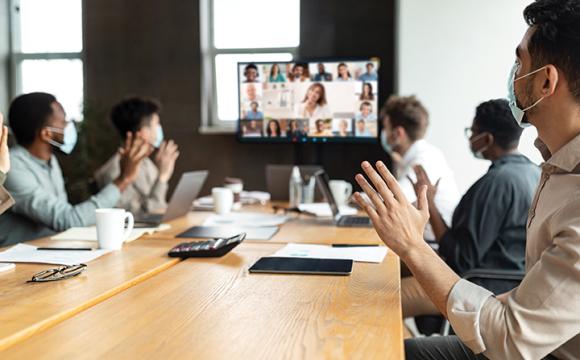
x=495 y=280
x=278 y=179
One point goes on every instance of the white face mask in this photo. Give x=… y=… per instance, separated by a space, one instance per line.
x=158 y=137
x=385 y=143
x=478 y=154
x=516 y=111
x=69 y=137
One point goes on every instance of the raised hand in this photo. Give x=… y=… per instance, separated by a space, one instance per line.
x=4 y=153
x=423 y=180
x=165 y=159
x=132 y=154
x=398 y=223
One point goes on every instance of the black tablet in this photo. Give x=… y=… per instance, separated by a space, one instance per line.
x=288 y=265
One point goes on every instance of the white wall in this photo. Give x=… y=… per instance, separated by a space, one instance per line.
x=455 y=54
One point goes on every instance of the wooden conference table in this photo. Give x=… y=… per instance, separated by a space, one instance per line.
x=139 y=303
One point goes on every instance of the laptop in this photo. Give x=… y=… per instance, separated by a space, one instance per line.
x=277 y=179
x=339 y=220
x=181 y=201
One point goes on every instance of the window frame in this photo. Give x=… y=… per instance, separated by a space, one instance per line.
x=210 y=123
x=17 y=57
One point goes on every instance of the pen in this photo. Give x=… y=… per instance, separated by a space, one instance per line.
x=68 y=249
x=353 y=245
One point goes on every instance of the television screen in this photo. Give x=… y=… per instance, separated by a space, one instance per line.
x=322 y=101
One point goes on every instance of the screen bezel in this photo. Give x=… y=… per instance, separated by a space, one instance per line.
x=323 y=182
x=309 y=140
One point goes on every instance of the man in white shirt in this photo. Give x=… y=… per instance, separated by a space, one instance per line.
x=540 y=318
x=405 y=122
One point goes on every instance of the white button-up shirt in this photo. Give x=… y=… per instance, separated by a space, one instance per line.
x=432 y=159
x=542 y=315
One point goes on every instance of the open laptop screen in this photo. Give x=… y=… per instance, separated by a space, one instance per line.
x=322 y=180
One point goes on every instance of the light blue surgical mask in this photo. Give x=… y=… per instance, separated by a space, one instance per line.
x=513 y=103
x=385 y=143
x=159 y=137
x=69 y=137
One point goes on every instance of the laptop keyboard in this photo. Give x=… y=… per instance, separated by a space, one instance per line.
x=354 y=220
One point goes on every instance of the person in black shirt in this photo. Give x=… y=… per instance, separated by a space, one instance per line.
x=488 y=229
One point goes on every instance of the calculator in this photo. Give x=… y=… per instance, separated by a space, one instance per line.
x=209 y=248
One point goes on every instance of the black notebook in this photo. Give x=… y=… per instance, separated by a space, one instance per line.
x=252 y=233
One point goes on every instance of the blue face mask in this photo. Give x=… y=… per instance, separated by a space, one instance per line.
x=513 y=103
x=69 y=137
x=159 y=137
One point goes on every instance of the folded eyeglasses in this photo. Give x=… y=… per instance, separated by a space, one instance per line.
x=60 y=273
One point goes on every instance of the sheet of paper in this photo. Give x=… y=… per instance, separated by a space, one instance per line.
x=323 y=209
x=90 y=233
x=23 y=253
x=371 y=254
x=244 y=219
x=252 y=197
x=246 y=197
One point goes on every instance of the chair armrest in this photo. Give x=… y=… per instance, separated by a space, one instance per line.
x=496 y=274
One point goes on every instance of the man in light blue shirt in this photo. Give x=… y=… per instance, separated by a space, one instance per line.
x=370 y=75
x=35 y=179
x=254 y=114
x=361 y=129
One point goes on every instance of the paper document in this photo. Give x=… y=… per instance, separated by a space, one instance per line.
x=244 y=219
x=253 y=197
x=323 y=209
x=23 y=253
x=90 y=233
x=246 y=198
x=371 y=254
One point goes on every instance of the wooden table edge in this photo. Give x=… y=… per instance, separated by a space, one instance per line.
x=41 y=326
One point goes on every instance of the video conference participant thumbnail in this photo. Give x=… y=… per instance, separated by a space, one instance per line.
x=252 y=128
x=321 y=73
x=253 y=113
x=366 y=112
x=314 y=104
x=297 y=129
x=320 y=128
x=251 y=73
x=342 y=127
x=299 y=73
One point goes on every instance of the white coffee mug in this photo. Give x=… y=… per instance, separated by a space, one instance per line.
x=341 y=190
x=223 y=200
x=111 y=231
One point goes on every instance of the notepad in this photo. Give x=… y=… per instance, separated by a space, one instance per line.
x=246 y=219
x=323 y=209
x=23 y=253
x=371 y=254
x=90 y=233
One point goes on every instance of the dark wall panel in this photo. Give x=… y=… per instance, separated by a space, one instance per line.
x=151 y=48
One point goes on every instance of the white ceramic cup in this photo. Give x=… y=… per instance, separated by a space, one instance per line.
x=223 y=200
x=111 y=231
x=341 y=190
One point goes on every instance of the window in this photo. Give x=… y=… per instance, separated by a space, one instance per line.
x=47 y=50
x=235 y=31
